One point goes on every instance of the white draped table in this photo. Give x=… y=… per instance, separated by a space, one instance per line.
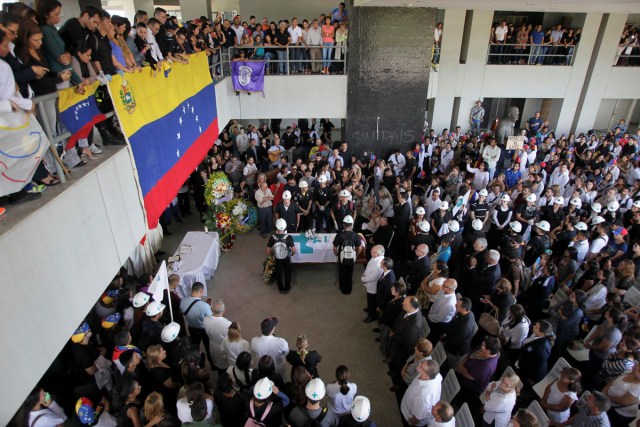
x=199 y=265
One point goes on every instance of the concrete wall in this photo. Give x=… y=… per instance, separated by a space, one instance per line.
x=55 y=263
x=275 y=9
x=388 y=76
x=285 y=96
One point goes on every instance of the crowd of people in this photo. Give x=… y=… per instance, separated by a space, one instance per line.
x=628 y=54
x=529 y=44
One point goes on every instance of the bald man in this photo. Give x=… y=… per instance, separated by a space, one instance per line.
x=406 y=332
x=442 y=415
x=370 y=278
x=442 y=310
x=418 y=269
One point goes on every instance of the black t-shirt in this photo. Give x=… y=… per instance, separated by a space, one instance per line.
x=231 y=409
x=72 y=33
x=84 y=356
x=282 y=37
x=345 y=235
x=230 y=36
x=104 y=54
x=321 y=195
x=480 y=210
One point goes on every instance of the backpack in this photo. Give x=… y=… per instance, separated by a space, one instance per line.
x=315 y=422
x=280 y=248
x=252 y=422
x=348 y=254
x=546 y=241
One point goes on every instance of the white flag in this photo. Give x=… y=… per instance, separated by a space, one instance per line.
x=160 y=283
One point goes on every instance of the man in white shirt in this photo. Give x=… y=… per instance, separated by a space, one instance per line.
x=398 y=162
x=501 y=38
x=239 y=30
x=242 y=142
x=423 y=393
x=581 y=243
x=437 y=43
x=295 y=54
x=267 y=344
x=314 y=41
x=442 y=415
x=216 y=327
x=154 y=28
x=370 y=278
x=491 y=155
x=335 y=155
x=442 y=310
x=600 y=242
x=446 y=157
x=559 y=177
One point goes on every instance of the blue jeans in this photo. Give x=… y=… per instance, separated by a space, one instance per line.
x=570 y=50
x=327 y=50
x=282 y=65
x=295 y=56
x=265 y=218
x=536 y=50
x=475 y=127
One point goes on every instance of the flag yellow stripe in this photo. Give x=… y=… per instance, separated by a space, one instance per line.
x=157 y=96
x=69 y=97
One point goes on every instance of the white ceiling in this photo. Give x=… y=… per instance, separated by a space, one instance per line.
x=575 y=6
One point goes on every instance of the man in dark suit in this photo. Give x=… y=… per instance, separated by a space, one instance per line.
x=383 y=290
x=484 y=280
x=402 y=217
x=460 y=331
x=406 y=332
x=418 y=269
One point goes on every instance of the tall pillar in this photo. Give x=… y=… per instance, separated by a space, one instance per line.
x=598 y=75
x=448 y=68
x=474 y=68
x=388 y=76
x=192 y=9
x=583 y=55
x=146 y=5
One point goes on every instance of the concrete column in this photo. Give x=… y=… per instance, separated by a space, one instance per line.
x=146 y=5
x=192 y=9
x=598 y=75
x=474 y=70
x=448 y=68
x=583 y=54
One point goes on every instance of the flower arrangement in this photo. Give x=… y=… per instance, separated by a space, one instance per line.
x=218 y=189
x=244 y=215
x=269 y=267
x=228 y=242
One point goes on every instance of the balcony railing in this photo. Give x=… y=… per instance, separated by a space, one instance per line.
x=530 y=54
x=289 y=60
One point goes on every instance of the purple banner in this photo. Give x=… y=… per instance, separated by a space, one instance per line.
x=248 y=76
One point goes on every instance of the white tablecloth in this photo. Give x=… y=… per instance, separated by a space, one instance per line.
x=318 y=250
x=199 y=265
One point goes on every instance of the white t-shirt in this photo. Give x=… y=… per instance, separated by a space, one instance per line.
x=275 y=347
x=501 y=32
x=48 y=417
x=499 y=406
x=619 y=388
x=232 y=349
x=184 y=411
x=556 y=396
x=295 y=33
x=217 y=328
x=340 y=403
x=598 y=244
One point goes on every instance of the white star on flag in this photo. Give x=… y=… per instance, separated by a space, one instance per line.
x=188 y=105
x=196 y=119
x=180 y=121
x=192 y=110
x=178 y=152
x=178 y=135
x=184 y=110
x=200 y=129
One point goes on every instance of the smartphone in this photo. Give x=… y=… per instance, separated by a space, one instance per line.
x=47 y=397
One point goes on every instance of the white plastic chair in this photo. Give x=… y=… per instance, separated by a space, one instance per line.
x=553 y=375
x=450 y=387
x=537 y=410
x=632 y=296
x=581 y=354
x=426 y=330
x=438 y=355
x=463 y=417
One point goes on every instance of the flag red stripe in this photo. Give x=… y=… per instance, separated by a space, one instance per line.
x=84 y=131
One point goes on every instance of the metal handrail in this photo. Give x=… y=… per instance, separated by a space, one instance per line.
x=527 y=50
x=225 y=57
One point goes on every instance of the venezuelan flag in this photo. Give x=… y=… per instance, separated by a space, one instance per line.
x=79 y=112
x=170 y=122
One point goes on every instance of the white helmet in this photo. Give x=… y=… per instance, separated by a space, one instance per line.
x=544 y=226
x=596 y=207
x=303 y=184
x=613 y=206
x=281 y=224
x=286 y=195
x=263 y=388
x=477 y=224
x=581 y=226
x=558 y=200
x=454 y=226
x=154 y=308
x=170 y=332
x=444 y=205
x=140 y=299
x=315 y=389
x=516 y=226
x=531 y=197
x=348 y=219
x=483 y=192
x=344 y=193
x=360 y=409
x=506 y=198
x=575 y=201
x=636 y=204
x=322 y=178
x=420 y=210
x=597 y=220
x=424 y=226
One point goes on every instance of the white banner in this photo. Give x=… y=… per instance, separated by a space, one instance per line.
x=22 y=145
x=318 y=250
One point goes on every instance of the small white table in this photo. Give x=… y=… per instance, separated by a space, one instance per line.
x=199 y=265
x=318 y=250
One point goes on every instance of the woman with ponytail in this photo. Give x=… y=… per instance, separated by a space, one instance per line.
x=303 y=357
x=340 y=393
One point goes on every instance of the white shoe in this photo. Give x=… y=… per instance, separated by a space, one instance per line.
x=94 y=149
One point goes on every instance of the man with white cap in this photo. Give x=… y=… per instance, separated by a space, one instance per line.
x=151 y=328
x=422 y=394
x=554 y=214
x=342 y=208
x=480 y=208
x=527 y=213
x=282 y=247
x=302 y=416
x=304 y=201
x=270 y=345
x=440 y=217
x=538 y=244
x=370 y=277
x=263 y=408
x=322 y=204
x=346 y=246
x=360 y=412
x=289 y=212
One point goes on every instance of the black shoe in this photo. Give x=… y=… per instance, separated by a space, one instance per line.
x=377 y=340
x=376 y=330
x=368 y=320
x=23 y=197
x=160 y=253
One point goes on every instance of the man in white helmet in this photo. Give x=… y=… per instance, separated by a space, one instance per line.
x=304 y=201
x=288 y=211
x=346 y=246
x=282 y=247
x=342 y=208
x=322 y=203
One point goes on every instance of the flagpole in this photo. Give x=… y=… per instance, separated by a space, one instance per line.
x=169 y=294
